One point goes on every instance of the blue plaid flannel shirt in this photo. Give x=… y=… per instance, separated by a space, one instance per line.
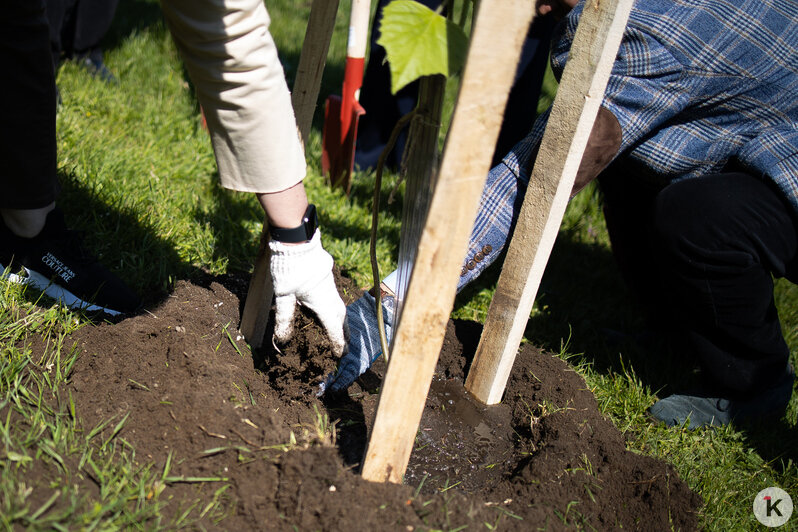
x=696 y=84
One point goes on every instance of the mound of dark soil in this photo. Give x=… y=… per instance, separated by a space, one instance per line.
x=192 y=393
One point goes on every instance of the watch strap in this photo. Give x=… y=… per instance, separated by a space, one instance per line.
x=301 y=233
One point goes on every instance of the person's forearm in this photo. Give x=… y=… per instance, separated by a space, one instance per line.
x=506 y=185
x=285 y=208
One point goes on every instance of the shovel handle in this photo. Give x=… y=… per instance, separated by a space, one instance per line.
x=358 y=28
x=355 y=60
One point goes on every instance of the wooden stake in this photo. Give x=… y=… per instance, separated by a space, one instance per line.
x=420 y=164
x=578 y=99
x=307 y=83
x=257 y=306
x=497 y=38
x=312 y=59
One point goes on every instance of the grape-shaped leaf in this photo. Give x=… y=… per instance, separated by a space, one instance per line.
x=419 y=42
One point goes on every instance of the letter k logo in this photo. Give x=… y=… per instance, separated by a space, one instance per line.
x=772 y=506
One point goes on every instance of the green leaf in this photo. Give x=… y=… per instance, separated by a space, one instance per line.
x=419 y=42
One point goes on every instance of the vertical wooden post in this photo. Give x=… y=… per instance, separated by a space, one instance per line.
x=572 y=116
x=420 y=164
x=307 y=82
x=496 y=41
x=312 y=59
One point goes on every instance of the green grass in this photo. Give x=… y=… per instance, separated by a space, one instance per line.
x=138 y=175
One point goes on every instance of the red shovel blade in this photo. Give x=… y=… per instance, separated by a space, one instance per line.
x=337 y=147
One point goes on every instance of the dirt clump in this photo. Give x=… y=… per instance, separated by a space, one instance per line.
x=193 y=396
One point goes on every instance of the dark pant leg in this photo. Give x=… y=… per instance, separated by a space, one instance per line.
x=92 y=20
x=627 y=206
x=27 y=130
x=383 y=109
x=58 y=16
x=522 y=103
x=720 y=240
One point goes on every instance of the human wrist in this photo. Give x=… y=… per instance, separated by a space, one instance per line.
x=284 y=208
x=298 y=234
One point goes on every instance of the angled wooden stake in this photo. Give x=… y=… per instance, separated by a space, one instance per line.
x=257 y=306
x=496 y=41
x=573 y=113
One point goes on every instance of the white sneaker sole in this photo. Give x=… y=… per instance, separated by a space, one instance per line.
x=43 y=284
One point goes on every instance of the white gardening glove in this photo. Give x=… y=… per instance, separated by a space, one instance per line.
x=302 y=273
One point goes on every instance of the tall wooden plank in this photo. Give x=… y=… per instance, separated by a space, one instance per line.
x=496 y=41
x=307 y=83
x=573 y=113
x=305 y=92
x=421 y=162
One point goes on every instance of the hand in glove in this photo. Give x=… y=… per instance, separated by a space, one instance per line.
x=364 y=341
x=302 y=273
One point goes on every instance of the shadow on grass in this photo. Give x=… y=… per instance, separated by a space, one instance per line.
x=132 y=17
x=123 y=242
x=228 y=218
x=586 y=311
x=776 y=441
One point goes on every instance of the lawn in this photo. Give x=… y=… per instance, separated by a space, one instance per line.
x=138 y=177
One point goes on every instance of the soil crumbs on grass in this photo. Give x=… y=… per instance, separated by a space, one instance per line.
x=194 y=401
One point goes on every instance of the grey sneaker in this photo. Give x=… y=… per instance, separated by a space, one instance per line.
x=93 y=64
x=703 y=410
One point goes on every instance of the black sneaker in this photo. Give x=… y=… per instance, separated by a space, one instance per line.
x=56 y=263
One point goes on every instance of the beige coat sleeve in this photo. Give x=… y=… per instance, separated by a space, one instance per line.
x=232 y=61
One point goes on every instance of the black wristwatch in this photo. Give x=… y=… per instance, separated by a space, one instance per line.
x=310 y=221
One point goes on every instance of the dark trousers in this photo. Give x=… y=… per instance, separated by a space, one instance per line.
x=27 y=129
x=383 y=109
x=78 y=26
x=702 y=253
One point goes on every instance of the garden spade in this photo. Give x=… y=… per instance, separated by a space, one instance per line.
x=341 y=113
